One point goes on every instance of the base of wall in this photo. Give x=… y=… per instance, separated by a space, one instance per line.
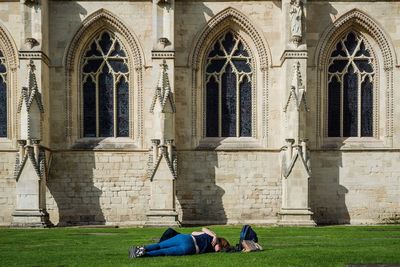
x=30 y=218
x=162 y=218
x=296 y=217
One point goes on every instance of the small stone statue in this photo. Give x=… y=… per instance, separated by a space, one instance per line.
x=296 y=14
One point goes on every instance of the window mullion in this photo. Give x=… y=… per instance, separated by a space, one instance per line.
x=359 y=77
x=115 y=103
x=237 y=105
x=97 y=105
x=220 y=105
x=341 y=103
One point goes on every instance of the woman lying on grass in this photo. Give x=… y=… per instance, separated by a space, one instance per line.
x=183 y=244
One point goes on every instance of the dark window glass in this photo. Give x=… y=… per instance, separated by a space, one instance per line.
x=352 y=63
x=106 y=103
x=89 y=108
x=212 y=108
x=228 y=43
x=350 y=103
x=92 y=65
x=3 y=97
x=240 y=50
x=228 y=103
x=366 y=107
x=118 y=65
x=338 y=66
x=334 y=108
x=227 y=64
x=106 y=60
x=216 y=65
x=245 y=107
x=3 y=108
x=105 y=43
x=351 y=43
x=118 y=52
x=123 y=108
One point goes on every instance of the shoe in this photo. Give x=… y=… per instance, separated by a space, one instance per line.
x=139 y=252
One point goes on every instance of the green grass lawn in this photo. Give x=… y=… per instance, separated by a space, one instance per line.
x=321 y=246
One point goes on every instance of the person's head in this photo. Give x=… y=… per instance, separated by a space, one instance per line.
x=222 y=244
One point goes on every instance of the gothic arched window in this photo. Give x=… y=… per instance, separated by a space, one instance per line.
x=228 y=88
x=351 y=75
x=105 y=86
x=3 y=96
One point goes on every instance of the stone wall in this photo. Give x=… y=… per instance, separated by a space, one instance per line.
x=98 y=188
x=228 y=187
x=355 y=187
x=7 y=187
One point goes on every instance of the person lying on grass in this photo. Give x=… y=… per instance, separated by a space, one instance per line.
x=183 y=244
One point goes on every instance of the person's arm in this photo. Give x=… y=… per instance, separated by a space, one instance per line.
x=210 y=233
x=197 y=233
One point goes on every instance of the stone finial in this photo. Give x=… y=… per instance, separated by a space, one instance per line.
x=30 y=107
x=297 y=89
x=31 y=93
x=163 y=93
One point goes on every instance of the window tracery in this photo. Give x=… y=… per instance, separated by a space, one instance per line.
x=228 y=88
x=351 y=74
x=3 y=96
x=105 y=86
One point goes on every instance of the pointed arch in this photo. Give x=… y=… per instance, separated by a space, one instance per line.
x=352 y=18
x=362 y=23
x=9 y=48
x=99 y=21
x=230 y=19
x=218 y=23
x=10 y=61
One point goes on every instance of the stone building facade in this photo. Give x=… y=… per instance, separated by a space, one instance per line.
x=170 y=112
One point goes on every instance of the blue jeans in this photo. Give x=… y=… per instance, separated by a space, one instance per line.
x=178 y=245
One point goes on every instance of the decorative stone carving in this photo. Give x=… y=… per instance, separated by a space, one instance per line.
x=30 y=166
x=296 y=16
x=31 y=43
x=163 y=3
x=297 y=90
x=30 y=107
x=30 y=3
x=163 y=42
x=163 y=94
x=296 y=170
x=157 y=153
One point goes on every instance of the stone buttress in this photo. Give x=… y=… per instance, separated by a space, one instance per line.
x=162 y=164
x=30 y=168
x=296 y=171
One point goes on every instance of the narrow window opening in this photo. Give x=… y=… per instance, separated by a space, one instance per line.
x=350 y=89
x=105 y=78
x=228 y=88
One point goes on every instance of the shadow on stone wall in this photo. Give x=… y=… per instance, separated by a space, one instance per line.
x=198 y=194
x=72 y=187
x=70 y=180
x=327 y=195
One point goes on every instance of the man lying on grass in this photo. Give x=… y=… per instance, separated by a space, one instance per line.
x=183 y=244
